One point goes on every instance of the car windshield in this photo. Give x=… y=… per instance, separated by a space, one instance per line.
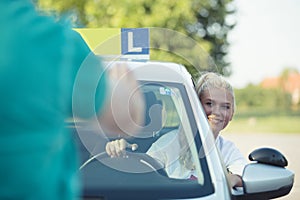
x=166 y=161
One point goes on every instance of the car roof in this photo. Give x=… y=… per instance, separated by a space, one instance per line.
x=158 y=71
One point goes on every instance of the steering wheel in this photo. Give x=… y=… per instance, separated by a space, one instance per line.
x=131 y=162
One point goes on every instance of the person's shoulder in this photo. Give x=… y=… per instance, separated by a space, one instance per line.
x=168 y=137
x=224 y=143
x=225 y=140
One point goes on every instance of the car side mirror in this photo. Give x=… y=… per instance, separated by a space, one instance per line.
x=268 y=156
x=266 y=177
x=262 y=181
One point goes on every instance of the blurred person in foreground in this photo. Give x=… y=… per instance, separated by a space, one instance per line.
x=48 y=74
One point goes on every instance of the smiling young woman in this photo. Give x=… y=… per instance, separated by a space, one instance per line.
x=217 y=98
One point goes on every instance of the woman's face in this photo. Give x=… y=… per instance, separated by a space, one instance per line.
x=218 y=105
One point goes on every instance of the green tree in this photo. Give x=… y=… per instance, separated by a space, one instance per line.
x=259 y=101
x=214 y=21
x=203 y=20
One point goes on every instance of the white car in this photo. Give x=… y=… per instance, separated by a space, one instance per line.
x=171 y=102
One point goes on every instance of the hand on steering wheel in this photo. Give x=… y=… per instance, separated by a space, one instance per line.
x=117 y=148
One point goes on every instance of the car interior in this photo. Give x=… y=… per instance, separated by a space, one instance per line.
x=123 y=174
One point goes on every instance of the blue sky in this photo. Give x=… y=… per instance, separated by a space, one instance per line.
x=265 y=40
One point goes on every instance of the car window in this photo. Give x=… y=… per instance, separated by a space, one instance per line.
x=174 y=145
x=168 y=144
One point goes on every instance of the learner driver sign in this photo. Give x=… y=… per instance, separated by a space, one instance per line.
x=131 y=43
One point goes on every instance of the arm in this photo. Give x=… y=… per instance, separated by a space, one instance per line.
x=234 y=161
x=235 y=180
x=124 y=110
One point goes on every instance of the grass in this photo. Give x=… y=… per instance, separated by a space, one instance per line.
x=266 y=124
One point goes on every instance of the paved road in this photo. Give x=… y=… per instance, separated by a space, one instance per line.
x=288 y=144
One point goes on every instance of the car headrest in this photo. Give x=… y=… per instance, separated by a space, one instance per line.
x=153 y=114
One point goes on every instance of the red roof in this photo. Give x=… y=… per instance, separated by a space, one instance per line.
x=289 y=84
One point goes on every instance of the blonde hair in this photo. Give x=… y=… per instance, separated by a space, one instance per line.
x=213 y=80
x=185 y=155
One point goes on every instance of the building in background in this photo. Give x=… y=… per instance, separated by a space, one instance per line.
x=289 y=82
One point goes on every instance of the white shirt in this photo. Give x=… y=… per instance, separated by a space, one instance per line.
x=231 y=155
x=167 y=148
